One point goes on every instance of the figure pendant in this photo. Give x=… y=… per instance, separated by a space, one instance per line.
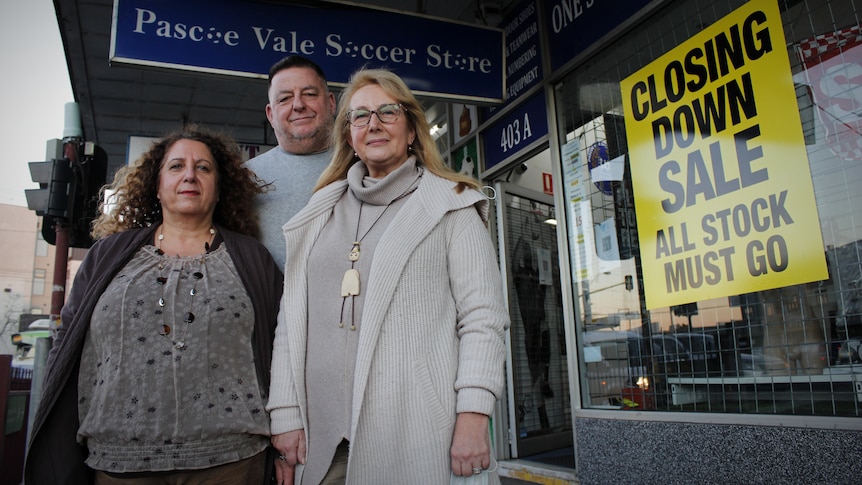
x=350 y=283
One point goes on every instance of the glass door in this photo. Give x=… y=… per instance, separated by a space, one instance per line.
x=540 y=407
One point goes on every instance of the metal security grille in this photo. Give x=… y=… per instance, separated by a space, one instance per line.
x=537 y=334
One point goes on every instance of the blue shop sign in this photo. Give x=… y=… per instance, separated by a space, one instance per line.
x=436 y=58
x=523 y=53
x=574 y=25
x=516 y=131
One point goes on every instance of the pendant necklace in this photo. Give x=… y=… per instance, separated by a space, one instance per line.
x=350 y=286
x=350 y=281
x=188 y=317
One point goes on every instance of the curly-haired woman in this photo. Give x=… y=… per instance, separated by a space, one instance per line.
x=160 y=368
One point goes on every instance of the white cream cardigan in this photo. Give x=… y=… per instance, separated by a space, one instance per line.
x=432 y=342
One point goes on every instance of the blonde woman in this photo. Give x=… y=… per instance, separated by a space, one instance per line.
x=389 y=349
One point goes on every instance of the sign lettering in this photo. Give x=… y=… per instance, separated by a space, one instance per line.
x=436 y=58
x=725 y=203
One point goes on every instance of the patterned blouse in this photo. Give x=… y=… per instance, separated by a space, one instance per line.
x=159 y=390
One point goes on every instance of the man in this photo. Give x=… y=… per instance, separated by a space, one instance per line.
x=301 y=110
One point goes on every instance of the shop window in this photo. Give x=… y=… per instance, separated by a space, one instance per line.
x=791 y=349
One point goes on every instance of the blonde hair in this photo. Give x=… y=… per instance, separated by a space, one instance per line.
x=423 y=146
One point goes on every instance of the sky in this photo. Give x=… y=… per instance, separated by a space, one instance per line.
x=35 y=89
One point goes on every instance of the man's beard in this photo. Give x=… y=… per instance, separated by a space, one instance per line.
x=317 y=132
x=301 y=137
x=307 y=142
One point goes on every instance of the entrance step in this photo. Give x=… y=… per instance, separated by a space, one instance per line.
x=522 y=472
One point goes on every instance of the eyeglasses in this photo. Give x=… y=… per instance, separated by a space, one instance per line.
x=386 y=113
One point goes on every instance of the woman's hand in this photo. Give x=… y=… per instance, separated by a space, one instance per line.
x=291 y=446
x=471 y=448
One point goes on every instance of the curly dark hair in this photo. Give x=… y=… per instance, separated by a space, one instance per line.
x=133 y=200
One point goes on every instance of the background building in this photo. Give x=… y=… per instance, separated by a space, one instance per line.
x=26 y=271
x=23 y=270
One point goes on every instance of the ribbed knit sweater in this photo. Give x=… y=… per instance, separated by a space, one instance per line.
x=431 y=341
x=362 y=214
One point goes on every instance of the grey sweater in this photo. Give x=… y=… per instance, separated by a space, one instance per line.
x=292 y=178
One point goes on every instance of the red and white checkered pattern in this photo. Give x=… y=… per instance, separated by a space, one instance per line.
x=824 y=46
x=833 y=62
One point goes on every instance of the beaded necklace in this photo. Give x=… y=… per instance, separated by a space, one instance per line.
x=165 y=330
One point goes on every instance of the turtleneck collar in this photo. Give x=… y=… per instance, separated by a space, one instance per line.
x=383 y=191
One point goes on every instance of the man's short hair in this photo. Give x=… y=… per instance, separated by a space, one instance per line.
x=296 y=61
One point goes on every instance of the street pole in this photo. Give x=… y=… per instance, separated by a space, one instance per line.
x=62 y=227
x=61 y=263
